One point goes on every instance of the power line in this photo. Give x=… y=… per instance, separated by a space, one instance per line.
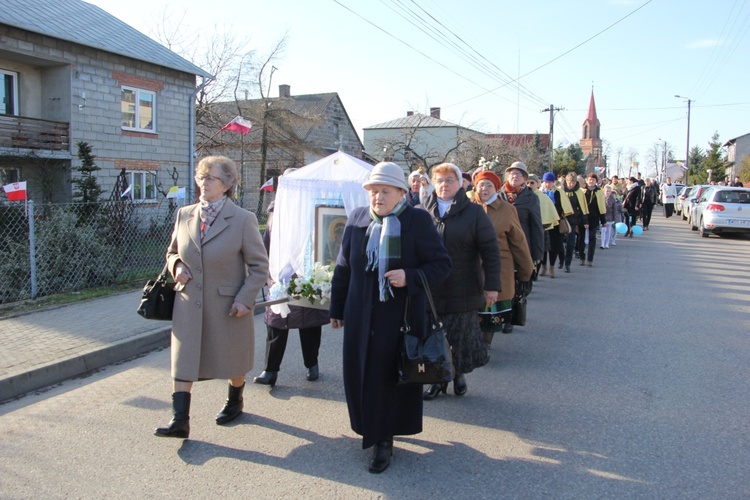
x=563 y=54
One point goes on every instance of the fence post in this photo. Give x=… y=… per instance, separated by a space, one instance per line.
x=32 y=249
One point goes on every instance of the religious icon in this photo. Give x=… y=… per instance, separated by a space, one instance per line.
x=329 y=231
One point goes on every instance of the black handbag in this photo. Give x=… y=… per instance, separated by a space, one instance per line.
x=158 y=298
x=519 y=311
x=428 y=360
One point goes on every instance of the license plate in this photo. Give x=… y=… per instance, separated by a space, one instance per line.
x=738 y=222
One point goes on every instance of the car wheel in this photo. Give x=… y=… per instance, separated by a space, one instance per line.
x=703 y=231
x=684 y=217
x=693 y=227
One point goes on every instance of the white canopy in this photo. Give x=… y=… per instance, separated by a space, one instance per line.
x=333 y=181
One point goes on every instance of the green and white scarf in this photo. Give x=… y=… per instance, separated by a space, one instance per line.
x=384 y=246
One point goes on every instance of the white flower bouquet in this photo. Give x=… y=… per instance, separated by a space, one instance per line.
x=316 y=288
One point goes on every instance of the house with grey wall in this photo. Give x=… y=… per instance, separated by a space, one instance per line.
x=737 y=150
x=71 y=72
x=287 y=131
x=418 y=140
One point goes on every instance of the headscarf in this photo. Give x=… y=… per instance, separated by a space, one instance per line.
x=208 y=212
x=383 y=249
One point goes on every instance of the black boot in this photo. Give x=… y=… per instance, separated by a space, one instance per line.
x=434 y=391
x=233 y=407
x=266 y=378
x=381 y=456
x=179 y=427
x=313 y=373
x=459 y=385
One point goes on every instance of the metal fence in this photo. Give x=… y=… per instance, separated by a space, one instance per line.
x=49 y=249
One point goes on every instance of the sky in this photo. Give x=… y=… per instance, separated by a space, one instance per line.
x=494 y=65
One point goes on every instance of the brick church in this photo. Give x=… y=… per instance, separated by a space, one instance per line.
x=591 y=142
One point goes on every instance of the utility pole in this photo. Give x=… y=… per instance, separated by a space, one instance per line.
x=687 y=147
x=551 y=112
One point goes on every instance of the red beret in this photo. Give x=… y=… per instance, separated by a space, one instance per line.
x=489 y=176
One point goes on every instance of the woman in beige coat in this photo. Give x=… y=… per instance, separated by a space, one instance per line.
x=217 y=257
x=515 y=257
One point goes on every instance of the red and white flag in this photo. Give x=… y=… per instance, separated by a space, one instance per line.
x=16 y=191
x=267 y=186
x=239 y=125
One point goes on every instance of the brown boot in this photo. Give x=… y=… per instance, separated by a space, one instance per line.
x=552 y=271
x=543 y=272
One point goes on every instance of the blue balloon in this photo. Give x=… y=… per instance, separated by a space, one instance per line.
x=621 y=228
x=637 y=230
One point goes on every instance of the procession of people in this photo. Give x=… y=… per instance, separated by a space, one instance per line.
x=480 y=240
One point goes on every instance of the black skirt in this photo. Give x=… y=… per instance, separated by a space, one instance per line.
x=465 y=338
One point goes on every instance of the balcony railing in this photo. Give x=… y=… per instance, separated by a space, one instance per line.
x=30 y=133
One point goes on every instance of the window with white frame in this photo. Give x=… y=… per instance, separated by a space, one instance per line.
x=138 y=109
x=142 y=186
x=8 y=93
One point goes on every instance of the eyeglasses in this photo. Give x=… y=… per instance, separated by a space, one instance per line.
x=206 y=178
x=447 y=180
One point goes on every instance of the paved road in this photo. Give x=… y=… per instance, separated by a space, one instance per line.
x=631 y=380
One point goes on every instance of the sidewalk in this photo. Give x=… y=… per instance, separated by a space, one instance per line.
x=47 y=347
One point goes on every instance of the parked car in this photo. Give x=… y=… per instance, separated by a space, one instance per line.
x=690 y=199
x=681 y=193
x=722 y=209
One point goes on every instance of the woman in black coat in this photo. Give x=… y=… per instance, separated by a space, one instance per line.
x=370 y=285
x=631 y=203
x=527 y=205
x=474 y=281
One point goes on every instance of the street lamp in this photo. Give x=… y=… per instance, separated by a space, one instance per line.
x=687 y=148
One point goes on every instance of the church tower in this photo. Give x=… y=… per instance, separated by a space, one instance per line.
x=591 y=143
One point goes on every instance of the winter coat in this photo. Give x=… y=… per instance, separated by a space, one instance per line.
x=596 y=207
x=649 y=195
x=514 y=252
x=229 y=265
x=378 y=408
x=471 y=242
x=530 y=216
x=577 y=201
x=298 y=317
x=631 y=202
x=613 y=208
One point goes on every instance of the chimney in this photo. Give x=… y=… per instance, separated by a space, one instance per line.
x=286 y=91
x=435 y=113
x=410 y=113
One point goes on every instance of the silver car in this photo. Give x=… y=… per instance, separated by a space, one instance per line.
x=722 y=209
x=690 y=199
x=681 y=195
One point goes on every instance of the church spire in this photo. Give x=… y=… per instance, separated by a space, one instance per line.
x=591 y=123
x=592 y=109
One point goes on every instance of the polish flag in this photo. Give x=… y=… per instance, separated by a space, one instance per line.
x=267 y=186
x=15 y=191
x=239 y=125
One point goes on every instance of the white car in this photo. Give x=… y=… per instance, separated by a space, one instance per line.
x=722 y=209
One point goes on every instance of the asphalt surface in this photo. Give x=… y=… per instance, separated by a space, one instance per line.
x=630 y=380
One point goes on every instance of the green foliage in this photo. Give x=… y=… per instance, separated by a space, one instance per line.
x=698 y=173
x=569 y=159
x=63 y=241
x=714 y=160
x=744 y=172
x=87 y=188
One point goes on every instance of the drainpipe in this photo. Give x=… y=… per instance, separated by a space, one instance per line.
x=191 y=160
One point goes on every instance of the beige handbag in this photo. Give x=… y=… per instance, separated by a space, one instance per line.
x=564 y=226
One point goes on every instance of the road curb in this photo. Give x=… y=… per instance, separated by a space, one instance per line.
x=53 y=373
